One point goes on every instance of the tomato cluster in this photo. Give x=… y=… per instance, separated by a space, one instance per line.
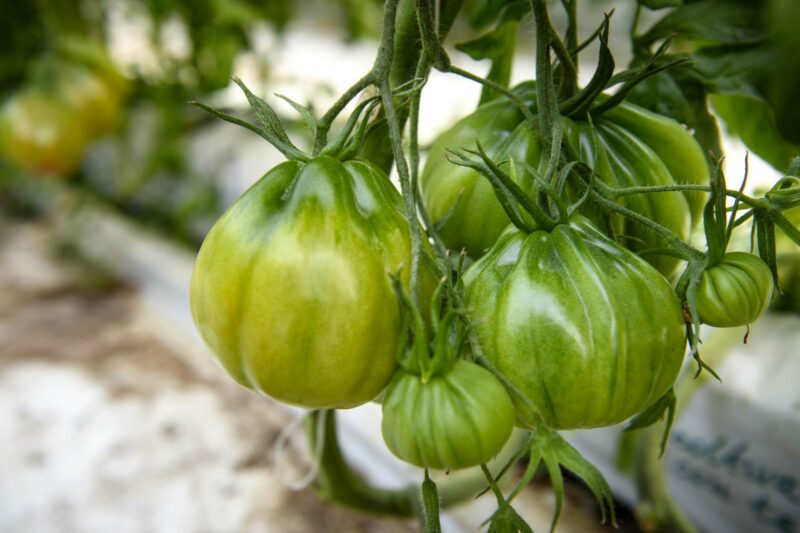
x=45 y=126
x=293 y=287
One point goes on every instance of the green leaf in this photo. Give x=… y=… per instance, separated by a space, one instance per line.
x=659 y=4
x=712 y=22
x=734 y=68
x=753 y=121
x=679 y=94
x=483 y=13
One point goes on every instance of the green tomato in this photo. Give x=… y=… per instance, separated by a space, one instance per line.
x=456 y=420
x=633 y=148
x=39 y=134
x=96 y=105
x=589 y=332
x=735 y=291
x=291 y=290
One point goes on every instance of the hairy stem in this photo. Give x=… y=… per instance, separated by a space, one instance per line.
x=547 y=36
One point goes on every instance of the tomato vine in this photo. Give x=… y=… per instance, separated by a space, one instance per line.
x=588 y=180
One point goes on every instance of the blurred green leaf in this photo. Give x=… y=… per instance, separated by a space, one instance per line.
x=753 y=121
x=659 y=4
x=712 y=22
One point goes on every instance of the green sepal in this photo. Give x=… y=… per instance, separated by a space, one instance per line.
x=341 y=143
x=305 y=112
x=507 y=520
x=508 y=192
x=549 y=447
x=630 y=78
x=579 y=105
x=664 y=406
x=266 y=115
x=788 y=228
x=289 y=151
x=785 y=193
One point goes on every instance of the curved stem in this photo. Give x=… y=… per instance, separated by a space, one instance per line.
x=685 y=250
x=657 y=508
x=339 y=484
x=324 y=124
x=409 y=194
x=511 y=95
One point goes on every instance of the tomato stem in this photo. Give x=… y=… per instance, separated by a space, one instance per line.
x=547 y=38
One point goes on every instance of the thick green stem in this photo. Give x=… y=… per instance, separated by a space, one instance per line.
x=407 y=51
x=337 y=483
x=511 y=95
x=610 y=192
x=657 y=508
x=409 y=194
x=547 y=37
x=324 y=124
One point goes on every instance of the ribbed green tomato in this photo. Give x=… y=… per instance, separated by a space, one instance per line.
x=735 y=291
x=291 y=290
x=634 y=148
x=588 y=331
x=456 y=420
x=39 y=133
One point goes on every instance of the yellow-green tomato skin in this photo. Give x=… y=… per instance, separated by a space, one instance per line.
x=462 y=194
x=97 y=107
x=735 y=291
x=588 y=331
x=291 y=288
x=456 y=420
x=39 y=133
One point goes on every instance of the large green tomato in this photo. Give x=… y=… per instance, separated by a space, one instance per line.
x=291 y=288
x=456 y=420
x=588 y=331
x=735 y=291
x=634 y=148
x=39 y=133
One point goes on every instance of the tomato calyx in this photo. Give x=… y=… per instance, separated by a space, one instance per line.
x=416 y=354
x=344 y=146
x=525 y=213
